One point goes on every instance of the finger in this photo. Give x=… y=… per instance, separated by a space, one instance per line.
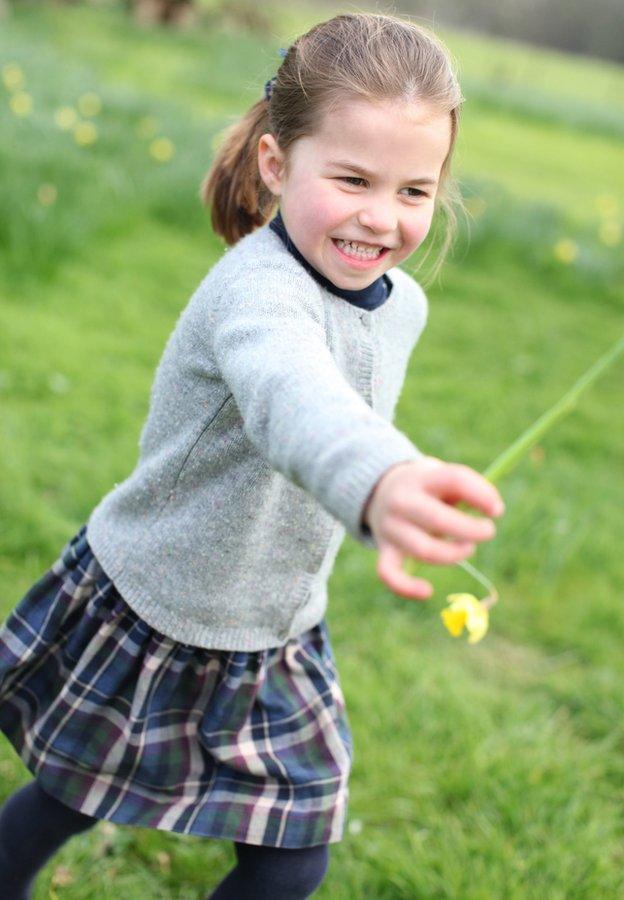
x=456 y=482
x=411 y=540
x=440 y=519
x=390 y=570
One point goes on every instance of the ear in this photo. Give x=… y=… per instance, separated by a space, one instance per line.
x=271 y=163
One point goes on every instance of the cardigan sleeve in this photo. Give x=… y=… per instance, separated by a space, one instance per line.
x=267 y=339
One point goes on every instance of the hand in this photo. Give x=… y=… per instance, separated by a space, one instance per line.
x=411 y=508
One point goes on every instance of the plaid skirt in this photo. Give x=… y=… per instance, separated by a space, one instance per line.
x=121 y=722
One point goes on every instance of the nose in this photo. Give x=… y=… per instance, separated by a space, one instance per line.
x=378 y=216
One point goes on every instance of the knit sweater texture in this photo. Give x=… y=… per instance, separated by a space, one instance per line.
x=269 y=426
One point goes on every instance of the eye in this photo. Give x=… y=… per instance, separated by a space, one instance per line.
x=351 y=178
x=418 y=193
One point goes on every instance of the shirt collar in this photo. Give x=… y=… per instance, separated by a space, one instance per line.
x=369 y=297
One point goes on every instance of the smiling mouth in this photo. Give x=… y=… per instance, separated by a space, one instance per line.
x=359 y=249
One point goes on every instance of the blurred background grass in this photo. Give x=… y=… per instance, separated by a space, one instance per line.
x=480 y=772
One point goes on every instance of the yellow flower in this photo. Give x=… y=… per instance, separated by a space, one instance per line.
x=607 y=205
x=566 y=250
x=12 y=76
x=65 y=117
x=610 y=233
x=466 y=611
x=147 y=127
x=85 y=133
x=89 y=104
x=21 y=103
x=161 y=149
x=46 y=194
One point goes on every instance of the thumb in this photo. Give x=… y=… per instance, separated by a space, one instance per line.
x=390 y=570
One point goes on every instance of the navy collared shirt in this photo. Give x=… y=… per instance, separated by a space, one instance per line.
x=369 y=297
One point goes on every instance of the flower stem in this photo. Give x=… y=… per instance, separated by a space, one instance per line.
x=492 y=597
x=506 y=461
x=509 y=457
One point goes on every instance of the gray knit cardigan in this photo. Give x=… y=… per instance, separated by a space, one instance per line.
x=269 y=425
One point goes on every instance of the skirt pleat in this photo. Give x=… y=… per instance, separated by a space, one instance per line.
x=121 y=722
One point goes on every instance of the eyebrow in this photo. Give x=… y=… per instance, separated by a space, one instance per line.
x=345 y=164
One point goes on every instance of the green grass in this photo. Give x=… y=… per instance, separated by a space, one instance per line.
x=480 y=772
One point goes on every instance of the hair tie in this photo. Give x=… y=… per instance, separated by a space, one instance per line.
x=268 y=87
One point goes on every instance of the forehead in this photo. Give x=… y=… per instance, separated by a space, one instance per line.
x=383 y=132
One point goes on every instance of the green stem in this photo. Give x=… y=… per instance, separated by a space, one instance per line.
x=476 y=574
x=509 y=457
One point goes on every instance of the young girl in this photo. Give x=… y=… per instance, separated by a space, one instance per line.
x=173 y=668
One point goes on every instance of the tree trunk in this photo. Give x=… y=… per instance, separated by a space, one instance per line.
x=164 y=12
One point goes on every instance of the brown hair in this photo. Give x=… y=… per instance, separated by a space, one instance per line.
x=366 y=55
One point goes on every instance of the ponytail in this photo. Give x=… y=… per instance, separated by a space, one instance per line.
x=239 y=199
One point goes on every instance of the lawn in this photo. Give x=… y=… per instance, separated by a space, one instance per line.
x=485 y=771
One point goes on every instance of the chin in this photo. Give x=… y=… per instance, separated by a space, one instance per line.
x=350 y=284
x=358 y=282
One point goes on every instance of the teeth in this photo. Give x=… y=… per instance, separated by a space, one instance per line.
x=358 y=251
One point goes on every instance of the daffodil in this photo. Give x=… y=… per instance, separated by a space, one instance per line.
x=85 y=133
x=161 y=149
x=566 y=250
x=21 y=103
x=89 y=104
x=466 y=611
x=66 y=117
x=12 y=76
x=607 y=205
x=610 y=233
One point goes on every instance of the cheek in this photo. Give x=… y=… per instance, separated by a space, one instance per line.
x=420 y=229
x=324 y=208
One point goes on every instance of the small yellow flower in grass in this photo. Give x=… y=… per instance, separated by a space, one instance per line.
x=89 y=104
x=465 y=611
x=46 y=194
x=85 y=133
x=12 y=76
x=607 y=205
x=610 y=233
x=161 y=149
x=147 y=126
x=66 y=117
x=21 y=103
x=566 y=250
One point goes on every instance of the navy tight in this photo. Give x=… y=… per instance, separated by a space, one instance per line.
x=34 y=825
x=274 y=873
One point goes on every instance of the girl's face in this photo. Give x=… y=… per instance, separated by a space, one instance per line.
x=370 y=176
